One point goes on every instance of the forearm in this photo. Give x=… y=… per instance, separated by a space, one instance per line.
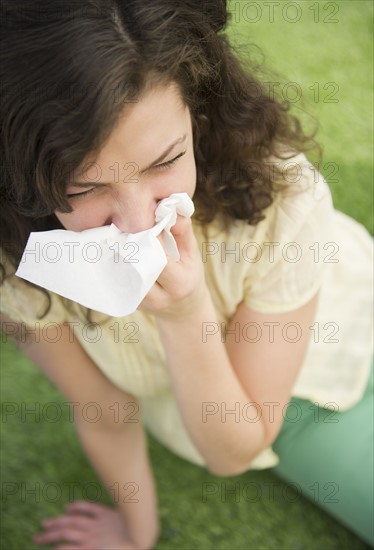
x=120 y=458
x=201 y=373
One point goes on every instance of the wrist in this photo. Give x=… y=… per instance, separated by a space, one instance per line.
x=193 y=312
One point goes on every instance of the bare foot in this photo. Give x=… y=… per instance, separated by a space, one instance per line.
x=86 y=526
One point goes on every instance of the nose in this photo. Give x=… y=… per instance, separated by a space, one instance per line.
x=134 y=213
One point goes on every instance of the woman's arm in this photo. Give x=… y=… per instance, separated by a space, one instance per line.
x=119 y=455
x=216 y=376
x=115 y=447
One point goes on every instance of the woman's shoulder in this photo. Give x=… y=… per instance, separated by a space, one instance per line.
x=304 y=198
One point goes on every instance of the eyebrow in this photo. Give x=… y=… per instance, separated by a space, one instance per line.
x=166 y=152
x=157 y=161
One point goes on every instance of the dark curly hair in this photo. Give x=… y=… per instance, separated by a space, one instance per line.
x=69 y=69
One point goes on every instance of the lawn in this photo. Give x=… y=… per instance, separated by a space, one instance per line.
x=327 y=54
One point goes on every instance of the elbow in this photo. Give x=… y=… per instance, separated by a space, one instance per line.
x=228 y=471
x=233 y=466
x=229 y=468
x=239 y=457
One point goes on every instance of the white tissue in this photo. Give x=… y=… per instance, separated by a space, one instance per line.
x=102 y=268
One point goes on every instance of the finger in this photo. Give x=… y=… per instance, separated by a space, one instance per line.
x=85 y=507
x=60 y=534
x=75 y=520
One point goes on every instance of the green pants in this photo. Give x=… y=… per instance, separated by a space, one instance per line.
x=329 y=456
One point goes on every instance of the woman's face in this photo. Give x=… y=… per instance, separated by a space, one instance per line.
x=130 y=176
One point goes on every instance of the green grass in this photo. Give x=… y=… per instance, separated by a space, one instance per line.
x=42 y=460
x=313 y=54
x=38 y=453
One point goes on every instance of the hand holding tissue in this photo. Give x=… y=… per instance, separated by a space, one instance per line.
x=102 y=268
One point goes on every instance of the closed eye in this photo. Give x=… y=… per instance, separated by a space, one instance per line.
x=83 y=194
x=169 y=162
x=162 y=166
